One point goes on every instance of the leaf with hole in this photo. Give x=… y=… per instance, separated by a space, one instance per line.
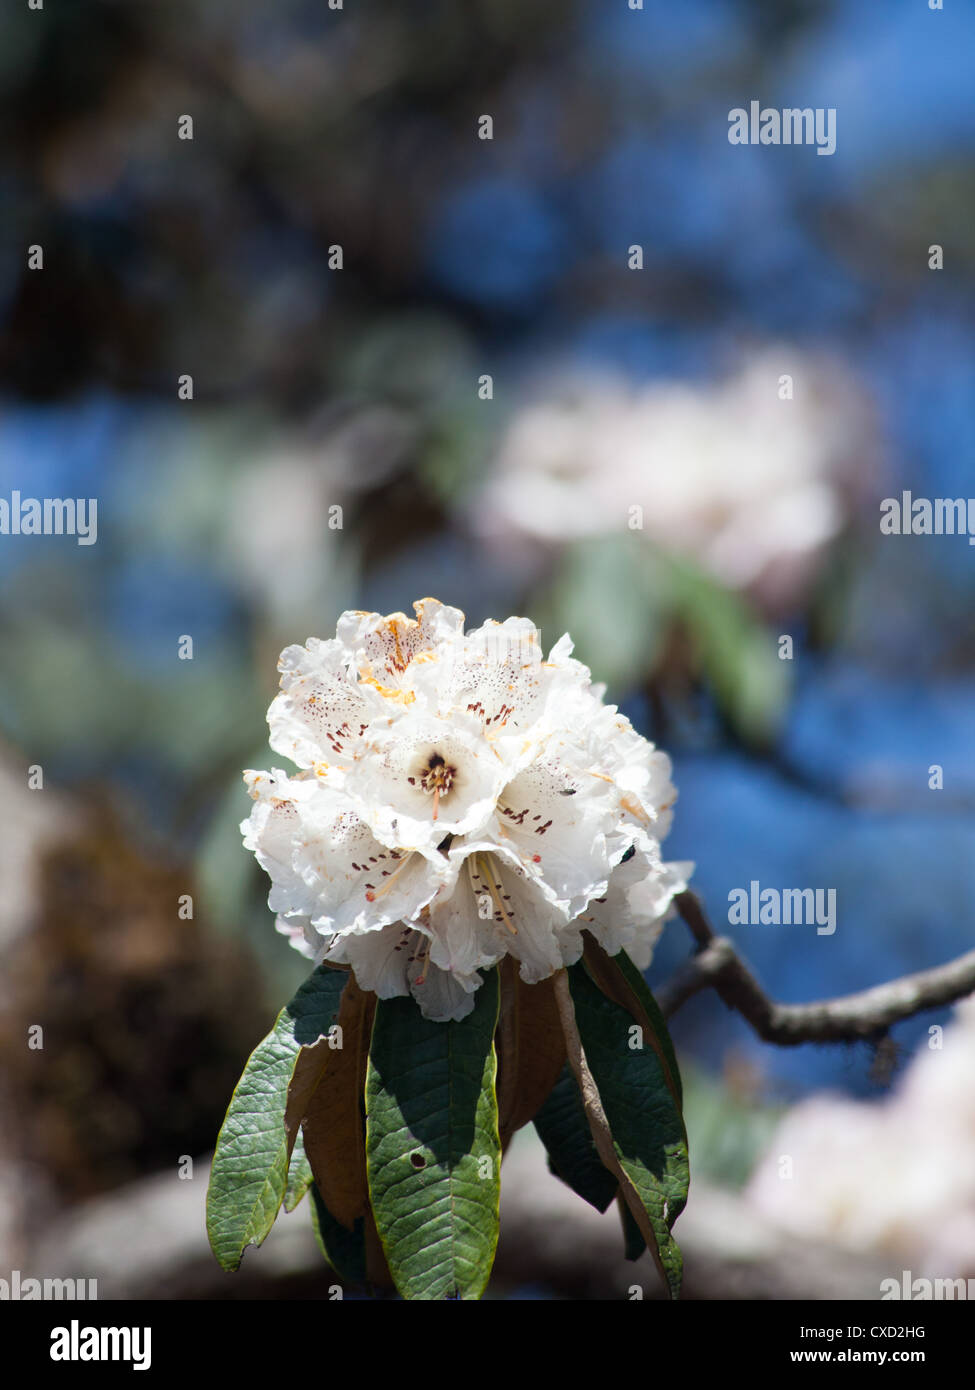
x=433 y=1151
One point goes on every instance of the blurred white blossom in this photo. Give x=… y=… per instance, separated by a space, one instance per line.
x=748 y=483
x=895 y=1176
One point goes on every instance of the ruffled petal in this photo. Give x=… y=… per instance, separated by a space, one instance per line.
x=630 y=915
x=394 y=962
x=321 y=711
x=495 y=675
x=512 y=913
x=443 y=995
x=556 y=816
x=324 y=862
x=378 y=959
x=381 y=647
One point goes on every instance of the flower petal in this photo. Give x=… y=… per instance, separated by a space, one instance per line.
x=555 y=816
x=630 y=915
x=321 y=711
x=512 y=914
x=324 y=862
x=380 y=648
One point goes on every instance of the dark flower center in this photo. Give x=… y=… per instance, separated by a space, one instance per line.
x=438 y=775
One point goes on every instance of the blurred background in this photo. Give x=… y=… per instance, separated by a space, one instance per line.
x=426 y=363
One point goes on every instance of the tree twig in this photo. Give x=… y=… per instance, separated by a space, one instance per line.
x=851 y=1018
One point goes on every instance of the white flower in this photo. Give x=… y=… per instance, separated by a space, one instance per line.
x=897 y=1175
x=752 y=486
x=459 y=799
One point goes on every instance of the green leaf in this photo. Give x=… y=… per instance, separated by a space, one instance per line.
x=433 y=1151
x=619 y=979
x=608 y=574
x=299 y=1176
x=737 y=651
x=643 y=1115
x=249 y=1176
x=344 y=1250
x=563 y=1129
x=642 y=991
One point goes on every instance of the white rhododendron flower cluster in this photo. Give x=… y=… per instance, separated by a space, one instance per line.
x=459 y=799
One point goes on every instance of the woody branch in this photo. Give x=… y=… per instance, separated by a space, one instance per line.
x=851 y=1018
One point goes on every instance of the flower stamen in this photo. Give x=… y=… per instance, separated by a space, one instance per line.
x=438 y=778
x=375 y=893
x=487 y=865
